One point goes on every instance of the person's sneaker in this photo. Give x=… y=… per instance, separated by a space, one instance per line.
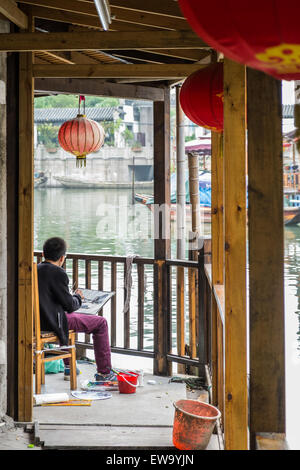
x=67 y=373
x=110 y=377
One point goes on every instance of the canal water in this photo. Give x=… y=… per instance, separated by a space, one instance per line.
x=107 y=222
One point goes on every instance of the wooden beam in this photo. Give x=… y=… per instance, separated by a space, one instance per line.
x=81 y=19
x=85 y=10
x=50 y=57
x=236 y=406
x=83 y=58
x=9 y=9
x=24 y=42
x=266 y=255
x=155 y=71
x=148 y=19
x=167 y=7
x=93 y=21
x=194 y=55
x=75 y=6
x=150 y=56
x=94 y=87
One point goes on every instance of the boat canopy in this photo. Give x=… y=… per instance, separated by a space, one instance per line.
x=204 y=189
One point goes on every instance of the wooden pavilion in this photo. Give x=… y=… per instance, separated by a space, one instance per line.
x=49 y=46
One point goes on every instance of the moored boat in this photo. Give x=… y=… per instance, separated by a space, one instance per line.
x=291 y=213
x=40 y=179
x=73 y=182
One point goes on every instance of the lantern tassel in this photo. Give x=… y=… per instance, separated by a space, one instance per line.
x=81 y=161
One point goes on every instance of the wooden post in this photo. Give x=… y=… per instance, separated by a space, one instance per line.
x=141 y=298
x=4 y=28
x=236 y=407
x=113 y=305
x=202 y=307
x=25 y=237
x=180 y=220
x=266 y=255
x=12 y=233
x=217 y=220
x=162 y=247
x=25 y=231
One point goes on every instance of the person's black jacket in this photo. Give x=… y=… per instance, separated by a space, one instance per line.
x=55 y=300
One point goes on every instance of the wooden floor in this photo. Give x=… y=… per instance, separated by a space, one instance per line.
x=142 y=420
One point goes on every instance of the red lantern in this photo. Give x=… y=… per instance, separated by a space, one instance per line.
x=81 y=136
x=201 y=97
x=264 y=35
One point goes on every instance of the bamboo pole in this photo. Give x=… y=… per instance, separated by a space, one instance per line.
x=217 y=220
x=180 y=221
x=180 y=174
x=193 y=164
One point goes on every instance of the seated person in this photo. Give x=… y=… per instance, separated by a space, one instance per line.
x=58 y=306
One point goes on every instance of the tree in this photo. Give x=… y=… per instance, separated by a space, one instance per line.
x=71 y=101
x=109 y=128
x=128 y=136
x=47 y=135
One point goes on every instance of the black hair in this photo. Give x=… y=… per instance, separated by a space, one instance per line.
x=54 y=248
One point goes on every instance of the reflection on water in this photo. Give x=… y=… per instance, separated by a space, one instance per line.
x=93 y=221
x=106 y=222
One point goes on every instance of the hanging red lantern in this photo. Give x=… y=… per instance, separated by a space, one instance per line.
x=201 y=97
x=81 y=136
x=264 y=35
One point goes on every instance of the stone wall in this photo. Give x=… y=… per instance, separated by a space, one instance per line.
x=110 y=164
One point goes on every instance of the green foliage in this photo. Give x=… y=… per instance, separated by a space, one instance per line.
x=188 y=138
x=136 y=144
x=71 y=101
x=109 y=129
x=128 y=137
x=47 y=135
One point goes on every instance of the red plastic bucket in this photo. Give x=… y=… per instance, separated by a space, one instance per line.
x=127 y=382
x=194 y=422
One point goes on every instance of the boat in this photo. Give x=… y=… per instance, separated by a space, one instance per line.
x=40 y=179
x=73 y=182
x=291 y=213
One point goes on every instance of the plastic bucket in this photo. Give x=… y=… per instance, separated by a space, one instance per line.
x=127 y=382
x=194 y=422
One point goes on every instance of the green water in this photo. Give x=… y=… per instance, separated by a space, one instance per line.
x=106 y=222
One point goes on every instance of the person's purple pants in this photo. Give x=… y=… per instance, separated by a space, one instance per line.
x=97 y=326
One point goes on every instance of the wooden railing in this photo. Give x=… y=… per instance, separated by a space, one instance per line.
x=135 y=331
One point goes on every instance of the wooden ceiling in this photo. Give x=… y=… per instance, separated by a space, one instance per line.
x=148 y=40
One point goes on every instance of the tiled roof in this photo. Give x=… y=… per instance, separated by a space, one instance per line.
x=64 y=114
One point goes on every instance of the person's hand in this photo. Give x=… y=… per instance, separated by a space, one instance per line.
x=78 y=291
